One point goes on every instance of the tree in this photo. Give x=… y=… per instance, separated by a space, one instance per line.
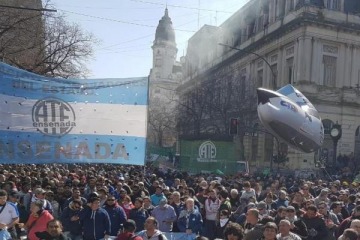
x=161 y=121
x=281 y=158
x=44 y=43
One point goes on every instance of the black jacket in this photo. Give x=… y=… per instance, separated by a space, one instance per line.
x=300 y=229
x=316 y=228
x=47 y=236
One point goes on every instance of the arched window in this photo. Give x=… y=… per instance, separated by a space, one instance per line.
x=327 y=123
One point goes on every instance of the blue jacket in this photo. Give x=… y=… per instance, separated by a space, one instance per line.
x=73 y=227
x=95 y=224
x=117 y=217
x=139 y=215
x=155 y=199
x=192 y=220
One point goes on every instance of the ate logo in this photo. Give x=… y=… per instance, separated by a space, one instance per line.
x=207 y=150
x=53 y=117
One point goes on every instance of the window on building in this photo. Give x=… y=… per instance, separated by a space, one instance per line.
x=290 y=70
x=259 y=78
x=333 y=4
x=329 y=70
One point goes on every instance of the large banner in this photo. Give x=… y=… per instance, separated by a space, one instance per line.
x=51 y=120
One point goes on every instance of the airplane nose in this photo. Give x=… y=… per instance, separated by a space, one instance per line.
x=264 y=95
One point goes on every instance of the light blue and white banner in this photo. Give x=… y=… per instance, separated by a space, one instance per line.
x=53 y=120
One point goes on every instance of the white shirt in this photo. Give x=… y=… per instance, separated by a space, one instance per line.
x=9 y=213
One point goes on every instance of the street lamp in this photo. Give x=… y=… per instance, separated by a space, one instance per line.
x=335 y=134
x=258 y=55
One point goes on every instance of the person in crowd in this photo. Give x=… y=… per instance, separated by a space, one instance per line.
x=247 y=193
x=147 y=204
x=233 y=231
x=38 y=219
x=49 y=196
x=76 y=195
x=234 y=199
x=253 y=229
x=157 y=196
x=322 y=197
x=116 y=213
x=9 y=216
x=280 y=214
x=284 y=231
x=127 y=205
x=54 y=231
x=151 y=232
x=90 y=187
x=224 y=202
x=270 y=231
x=355 y=224
x=165 y=216
x=103 y=194
x=347 y=222
x=297 y=225
x=349 y=234
x=221 y=224
x=263 y=212
x=190 y=219
x=95 y=221
x=331 y=220
x=178 y=206
x=39 y=194
x=212 y=204
x=315 y=224
x=71 y=221
x=139 y=214
x=129 y=229
x=282 y=201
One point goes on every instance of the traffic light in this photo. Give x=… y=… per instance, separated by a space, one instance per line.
x=233 y=126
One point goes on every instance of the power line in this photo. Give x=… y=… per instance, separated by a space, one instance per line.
x=121 y=21
x=29 y=9
x=179 y=6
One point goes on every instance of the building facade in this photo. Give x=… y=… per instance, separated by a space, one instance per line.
x=311 y=44
x=21 y=33
x=165 y=76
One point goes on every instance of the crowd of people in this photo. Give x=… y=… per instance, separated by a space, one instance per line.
x=93 y=202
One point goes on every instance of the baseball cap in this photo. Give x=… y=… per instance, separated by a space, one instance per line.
x=130 y=225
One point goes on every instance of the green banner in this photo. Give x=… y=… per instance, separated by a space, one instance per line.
x=208 y=156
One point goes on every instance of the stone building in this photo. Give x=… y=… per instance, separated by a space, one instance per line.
x=311 y=44
x=21 y=32
x=165 y=75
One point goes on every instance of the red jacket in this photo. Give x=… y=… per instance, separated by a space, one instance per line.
x=128 y=236
x=37 y=224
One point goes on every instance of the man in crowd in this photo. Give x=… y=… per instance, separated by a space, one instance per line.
x=165 y=216
x=53 y=231
x=284 y=231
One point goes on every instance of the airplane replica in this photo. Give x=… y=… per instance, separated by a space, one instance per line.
x=290 y=116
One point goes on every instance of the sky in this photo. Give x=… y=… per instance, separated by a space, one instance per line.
x=126 y=29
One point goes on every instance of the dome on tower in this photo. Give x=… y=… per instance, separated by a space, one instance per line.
x=165 y=31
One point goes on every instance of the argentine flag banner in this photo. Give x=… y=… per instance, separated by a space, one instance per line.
x=53 y=120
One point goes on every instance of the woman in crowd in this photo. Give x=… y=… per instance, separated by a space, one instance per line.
x=38 y=219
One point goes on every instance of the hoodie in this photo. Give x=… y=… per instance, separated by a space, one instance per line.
x=117 y=217
x=95 y=224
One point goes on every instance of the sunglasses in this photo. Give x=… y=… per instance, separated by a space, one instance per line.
x=111 y=200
